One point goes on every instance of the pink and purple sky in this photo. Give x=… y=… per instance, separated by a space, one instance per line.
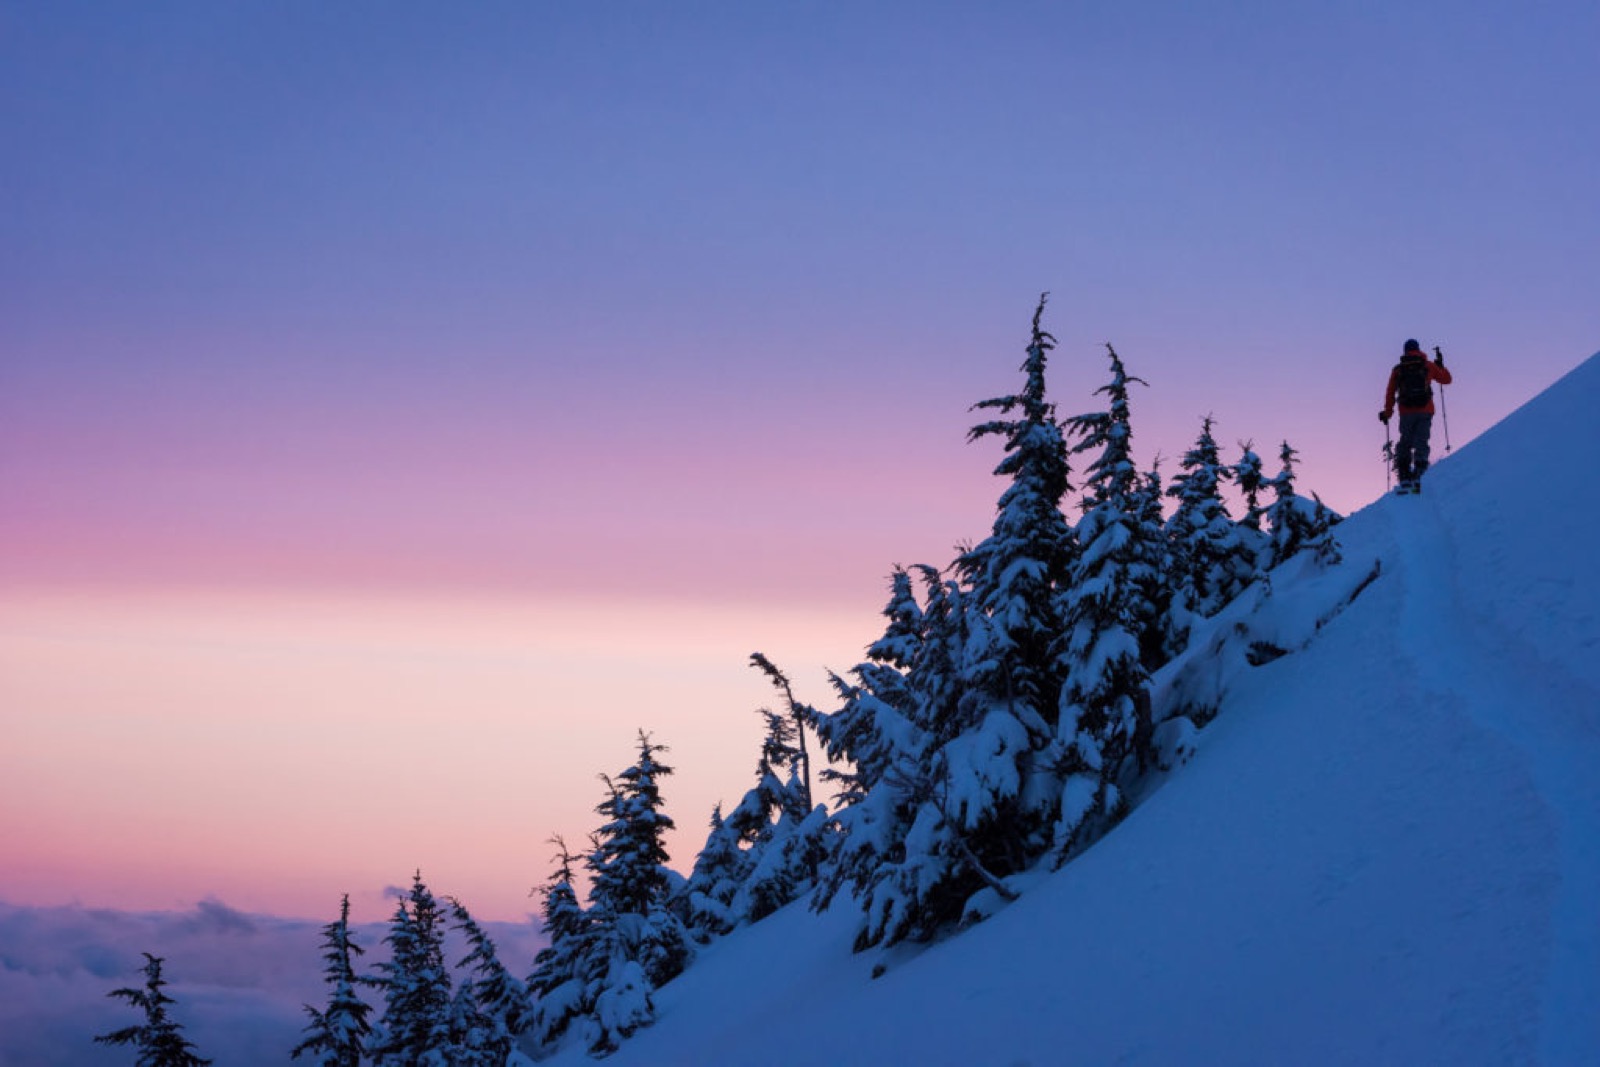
x=401 y=406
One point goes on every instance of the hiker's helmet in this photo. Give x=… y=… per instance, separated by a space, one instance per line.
x=1412 y=346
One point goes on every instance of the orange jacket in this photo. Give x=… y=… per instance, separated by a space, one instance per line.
x=1436 y=373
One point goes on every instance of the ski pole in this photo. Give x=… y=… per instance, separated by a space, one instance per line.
x=1444 y=414
x=1388 y=458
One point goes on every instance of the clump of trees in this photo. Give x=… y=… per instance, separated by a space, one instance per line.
x=1004 y=718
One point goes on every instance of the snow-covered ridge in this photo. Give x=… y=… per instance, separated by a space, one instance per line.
x=1383 y=851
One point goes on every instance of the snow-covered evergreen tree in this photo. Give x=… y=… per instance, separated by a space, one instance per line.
x=558 y=980
x=1251 y=479
x=1159 y=635
x=871 y=734
x=719 y=871
x=500 y=1010
x=903 y=891
x=337 y=1035
x=630 y=856
x=1209 y=557
x=901 y=639
x=969 y=793
x=159 y=1040
x=473 y=1041
x=861 y=734
x=797 y=713
x=1015 y=574
x=605 y=961
x=1295 y=523
x=872 y=727
x=631 y=883
x=415 y=1028
x=1105 y=720
x=782 y=837
x=1010 y=677
x=934 y=826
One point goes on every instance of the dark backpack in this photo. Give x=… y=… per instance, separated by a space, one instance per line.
x=1411 y=384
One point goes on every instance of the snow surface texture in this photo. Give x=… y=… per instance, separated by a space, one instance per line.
x=1386 y=850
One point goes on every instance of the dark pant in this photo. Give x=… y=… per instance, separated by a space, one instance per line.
x=1411 y=455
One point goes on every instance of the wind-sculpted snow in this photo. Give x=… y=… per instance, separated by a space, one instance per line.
x=1385 y=849
x=1272 y=618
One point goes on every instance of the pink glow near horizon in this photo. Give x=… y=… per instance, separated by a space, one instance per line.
x=278 y=750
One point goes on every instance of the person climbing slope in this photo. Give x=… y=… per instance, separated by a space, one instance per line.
x=1411 y=388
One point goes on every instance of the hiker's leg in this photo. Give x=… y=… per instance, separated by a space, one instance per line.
x=1405 y=453
x=1419 y=454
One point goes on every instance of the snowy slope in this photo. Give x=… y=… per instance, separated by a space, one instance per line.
x=1387 y=849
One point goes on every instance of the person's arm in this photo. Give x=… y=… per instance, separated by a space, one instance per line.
x=1439 y=373
x=1388 y=395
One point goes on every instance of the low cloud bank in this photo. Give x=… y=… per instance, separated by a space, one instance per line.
x=240 y=980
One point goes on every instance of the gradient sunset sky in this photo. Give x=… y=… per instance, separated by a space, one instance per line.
x=403 y=404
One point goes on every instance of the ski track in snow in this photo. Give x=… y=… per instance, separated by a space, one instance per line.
x=1549 y=716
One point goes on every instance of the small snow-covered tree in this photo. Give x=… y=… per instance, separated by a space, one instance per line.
x=1010 y=676
x=500 y=1011
x=862 y=734
x=800 y=757
x=1211 y=560
x=934 y=826
x=719 y=872
x=889 y=863
x=902 y=637
x=1298 y=524
x=872 y=734
x=1014 y=575
x=630 y=855
x=780 y=836
x=159 y=1040
x=1159 y=630
x=1105 y=719
x=605 y=961
x=472 y=1041
x=337 y=1035
x=1252 y=482
x=631 y=883
x=415 y=1027
x=558 y=980
x=1251 y=479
